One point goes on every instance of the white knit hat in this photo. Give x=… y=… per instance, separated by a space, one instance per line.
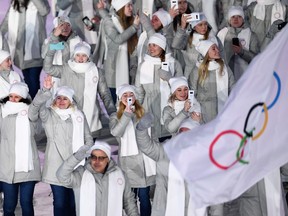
x=163 y=16
x=83 y=48
x=65 y=91
x=118 y=4
x=189 y=123
x=125 y=88
x=193 y=23
x=203 y=46
x=100 y=145
x=158 y=39
x=176 y=82
x=19 y=88
x=234 y=11
x=60 y=19
x=3 y=55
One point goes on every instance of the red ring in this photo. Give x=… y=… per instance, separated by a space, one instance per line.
x=214 y=142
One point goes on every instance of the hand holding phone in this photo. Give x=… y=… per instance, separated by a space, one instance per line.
x=193 y=17
x=235 y=41
x=191 y=96
x=129 y=101
x=165 y=66
x=174 y=3
x=87 y=22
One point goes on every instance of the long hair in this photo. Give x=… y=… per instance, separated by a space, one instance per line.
x=177 y=19
x=17 y=5
x=23 y=100
x=126 y=22
x=139 y=110
x=203 y=71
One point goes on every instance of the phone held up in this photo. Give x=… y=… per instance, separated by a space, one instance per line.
x=174 y=3
x=235 y=41
x=165 y=66
x=191 y=96
x=87 y=22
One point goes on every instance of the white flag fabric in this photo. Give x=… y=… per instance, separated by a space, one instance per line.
x=247 y=140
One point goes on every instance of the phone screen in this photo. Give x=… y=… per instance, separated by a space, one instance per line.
x=235 y=41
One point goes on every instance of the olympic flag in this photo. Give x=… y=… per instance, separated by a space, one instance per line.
x=247 y=140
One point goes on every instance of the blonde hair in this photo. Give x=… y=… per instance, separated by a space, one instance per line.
x=126 y=22
x=139 y=110
x=71 y=105
x=203 y=71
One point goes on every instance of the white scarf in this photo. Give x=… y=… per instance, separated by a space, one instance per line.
x=23 y=149
x=88 y=198
x=90 y=92
x=199 y=37
x=122 y=67
x=88 y=10
x=129 y=147
x=147 y=6
x=221 y=82
x=31 y=33
x=78 y=126
x=176 y=196
x=1 y=42
x=278 y=10
x=164 y=85
x=140 y=45
x=147 y=69
x=178 y=106
x=13 y=23
x=275 y=205
x=5 y=86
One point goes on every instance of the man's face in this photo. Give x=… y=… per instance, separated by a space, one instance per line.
x=99 y=161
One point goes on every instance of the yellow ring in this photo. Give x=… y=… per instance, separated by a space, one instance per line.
x=264 y=125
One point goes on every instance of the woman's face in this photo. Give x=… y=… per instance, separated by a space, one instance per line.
x=182 y=6
x=213 y=52
x=125 y=97
x=14 y=98
x=128 y=10
x=62 y=102
x=181 y=93
x=236 y=21
x=81 y=58
x=6 y=64
x=66 y=29
x=156 y=23
x=201 y=28
x=155 y=50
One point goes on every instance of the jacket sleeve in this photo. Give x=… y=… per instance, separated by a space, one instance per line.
x=114 y=35
x=171 y=120
x=178 y=69
x=4 y=24
x=129 y=202
x=88 y=139
x=42 y=6
x=37 y=106
x=67 y=175
x=105 y=93
x=254 y=49
x=180 y=39
x=148 y=146
x=118 y=126
x=49 y=68
x=231 y=80
x=139 y=88
x=64 y=4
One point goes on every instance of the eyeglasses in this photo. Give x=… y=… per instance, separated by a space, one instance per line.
x=98 y=158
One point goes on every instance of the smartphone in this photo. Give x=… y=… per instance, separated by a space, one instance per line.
x=87 y=22
x=191 y=96
x=57 y=46
x=165 y=66
x=235 y=41
x=129 y=101
x=193 y=17
x=281 y=25
x=174 y=3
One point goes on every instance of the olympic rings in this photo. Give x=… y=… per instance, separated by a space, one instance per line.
x=240 y=151
x=213 y=144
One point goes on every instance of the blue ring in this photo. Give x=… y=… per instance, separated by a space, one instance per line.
x=278 y=91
